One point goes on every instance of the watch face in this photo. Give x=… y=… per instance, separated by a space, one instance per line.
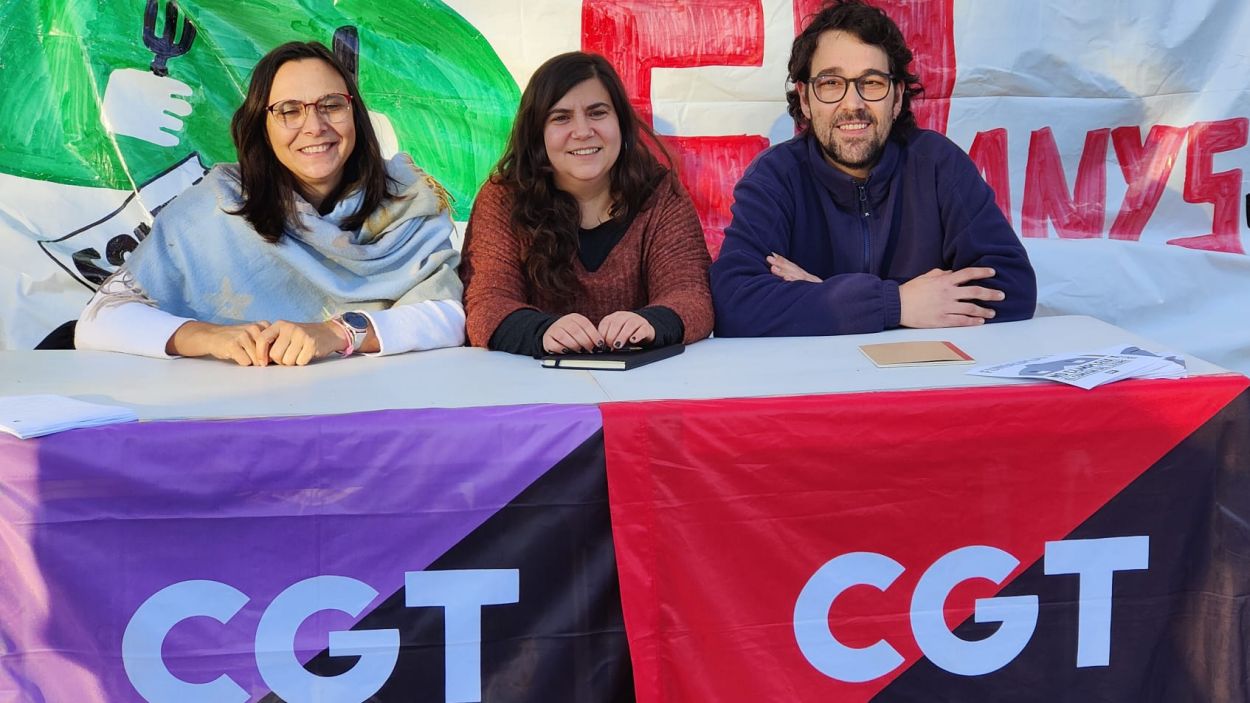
x=356 y=321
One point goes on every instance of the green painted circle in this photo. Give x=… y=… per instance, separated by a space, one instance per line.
x=437 y=79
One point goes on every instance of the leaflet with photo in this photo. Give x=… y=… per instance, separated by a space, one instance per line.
x=1175 y=368
x=1089 y=370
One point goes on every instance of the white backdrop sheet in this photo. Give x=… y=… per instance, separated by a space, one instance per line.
x=1114 y=133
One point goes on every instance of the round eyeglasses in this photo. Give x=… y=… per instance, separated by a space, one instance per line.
x=333 y=108
x=873 y=86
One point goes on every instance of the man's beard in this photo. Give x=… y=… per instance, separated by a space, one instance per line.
x=862 y=154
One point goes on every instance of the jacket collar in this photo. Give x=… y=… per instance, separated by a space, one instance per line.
x=842 y=187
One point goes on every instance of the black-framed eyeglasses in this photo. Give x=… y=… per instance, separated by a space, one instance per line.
x=333 y=108
x=872 y=86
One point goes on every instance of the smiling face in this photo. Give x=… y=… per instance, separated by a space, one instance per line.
x=316 y=153
x=583 y=139
x=851 y=132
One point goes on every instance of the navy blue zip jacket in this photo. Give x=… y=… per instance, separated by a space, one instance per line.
x=923 y=206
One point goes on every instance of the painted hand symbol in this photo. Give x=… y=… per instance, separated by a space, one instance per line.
x=145 y=106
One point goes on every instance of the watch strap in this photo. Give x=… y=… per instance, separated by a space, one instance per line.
x=354 y=333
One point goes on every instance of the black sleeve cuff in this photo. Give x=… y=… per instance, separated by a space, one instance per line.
x=669 y=329
x=522 y=332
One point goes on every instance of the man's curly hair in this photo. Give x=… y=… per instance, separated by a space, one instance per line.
x=871 y=26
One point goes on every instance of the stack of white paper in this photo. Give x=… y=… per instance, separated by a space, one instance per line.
x=1170 y=364
x=27 y=416
x=1087 y=370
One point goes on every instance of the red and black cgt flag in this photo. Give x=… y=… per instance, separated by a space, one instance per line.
x=1016 y=543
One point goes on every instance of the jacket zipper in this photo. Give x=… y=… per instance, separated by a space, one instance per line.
x=863 y=226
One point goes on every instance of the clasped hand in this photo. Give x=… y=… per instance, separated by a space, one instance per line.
x=259 y=343
x=575 y=333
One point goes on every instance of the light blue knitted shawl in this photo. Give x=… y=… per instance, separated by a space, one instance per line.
x=202 y=262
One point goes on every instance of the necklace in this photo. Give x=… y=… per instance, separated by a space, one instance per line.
x=601 y=214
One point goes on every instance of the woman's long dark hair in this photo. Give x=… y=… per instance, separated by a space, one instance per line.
x=268 y=187
x=545 y=217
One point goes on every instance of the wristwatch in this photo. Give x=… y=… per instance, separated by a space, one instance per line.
x=358 y=326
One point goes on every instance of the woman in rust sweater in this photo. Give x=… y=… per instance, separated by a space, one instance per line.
x=581 y=240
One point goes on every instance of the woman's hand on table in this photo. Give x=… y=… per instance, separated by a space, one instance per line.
x=625 y=329
x=297 y=343
x=237 y=343
x=572 y=333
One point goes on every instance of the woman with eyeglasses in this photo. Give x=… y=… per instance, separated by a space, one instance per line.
x=311 y=245
x=581 y=240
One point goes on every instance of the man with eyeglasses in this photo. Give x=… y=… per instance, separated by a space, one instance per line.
x=863 y=221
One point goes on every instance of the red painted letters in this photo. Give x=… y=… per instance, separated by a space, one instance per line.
x=639 y=35
x=1146 y=169
x=1206 y=139
x=989 y=153
x=1078 y=216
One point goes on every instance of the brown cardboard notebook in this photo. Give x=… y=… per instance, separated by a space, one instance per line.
x=915 y=353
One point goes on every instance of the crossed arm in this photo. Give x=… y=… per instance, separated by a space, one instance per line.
x=937 y=298
x=978 y=272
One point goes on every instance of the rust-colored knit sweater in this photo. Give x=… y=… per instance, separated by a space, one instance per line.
x=661 y=260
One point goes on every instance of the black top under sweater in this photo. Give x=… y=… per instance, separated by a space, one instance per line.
x=522 y=331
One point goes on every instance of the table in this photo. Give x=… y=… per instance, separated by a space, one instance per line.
x=435 y=526
x=159 y=389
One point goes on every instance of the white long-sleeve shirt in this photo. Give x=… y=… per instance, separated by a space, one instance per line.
x=117 y=319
